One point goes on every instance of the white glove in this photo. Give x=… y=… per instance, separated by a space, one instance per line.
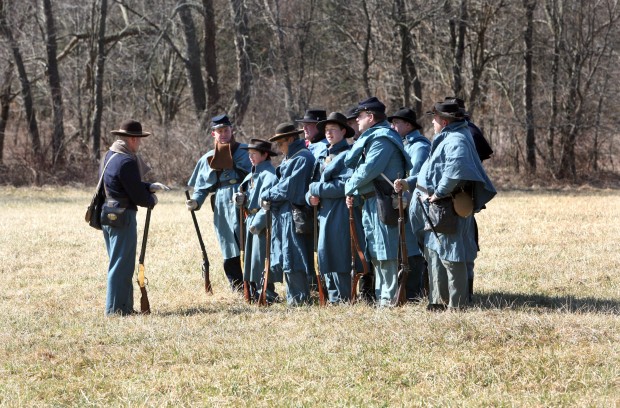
x=266 y=205
x=154 y=198
x=239 y=199
x=155 y=187
x=191 y=204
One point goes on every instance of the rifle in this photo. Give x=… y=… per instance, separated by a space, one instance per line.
x=426 y=216
x=319 y=282
x=145 y=306
x=403 y=274
x=246 y=284
x=355 y=247
x=205 y=258
x=262 y=299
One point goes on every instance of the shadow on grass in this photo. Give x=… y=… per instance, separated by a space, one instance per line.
x=533 y=301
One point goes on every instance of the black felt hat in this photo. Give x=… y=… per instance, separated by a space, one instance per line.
x=447 y=110
x=261 y=145
x=408 y=115
x=285 y=129
x=340 y=119
x=351 y=113
x=313 y=116
x=130 y=128
x=459 y=101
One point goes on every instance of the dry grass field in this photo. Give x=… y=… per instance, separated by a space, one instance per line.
x=544 y=330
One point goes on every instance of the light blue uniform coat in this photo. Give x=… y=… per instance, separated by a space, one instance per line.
x=204 y=180
x=262 y=177
x=294 y=174
x=334 y=237
x=418 y=148
x=378 y=150
x=453 y=160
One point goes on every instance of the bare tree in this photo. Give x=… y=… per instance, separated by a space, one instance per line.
x=26 y=91
x=210 y=56
x=98 y=103
x=5 y=101
x=241 y=98
x=58 y=133
x=530 y=138
x=192 y=59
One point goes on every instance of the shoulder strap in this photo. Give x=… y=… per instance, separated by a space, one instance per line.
x=103 y=172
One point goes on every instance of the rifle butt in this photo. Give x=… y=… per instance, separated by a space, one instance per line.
x=145 y=306
x=246 y=292
x=355 y=278
x=205 y=274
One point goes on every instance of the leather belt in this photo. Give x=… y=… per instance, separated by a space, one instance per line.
x=368 y=195
x=422 y=189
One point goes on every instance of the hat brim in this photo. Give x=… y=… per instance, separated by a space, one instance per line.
x=121 y=132
x=279 y=136
x=415 y=125
x=260 y=149
x=350 y=132
x=456 y=115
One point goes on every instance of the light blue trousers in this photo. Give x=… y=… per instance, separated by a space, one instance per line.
x=121 y=245
x=447 y=281
x=386 y=280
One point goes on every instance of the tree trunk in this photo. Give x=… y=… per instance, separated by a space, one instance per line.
x=556 y=28
x=273 y=17
x=33 y=128
x=459 y=47
x=210 y=56
x=241 y=99
x=192 y=61
x=98 y=109
x=5 y=102
x=530 y=138
x=366 y=52
x=58 y=135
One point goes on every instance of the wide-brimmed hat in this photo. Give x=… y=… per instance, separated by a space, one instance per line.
x=351 y=113
x=285 y=129
x=313 y=116
x=220 y=121
x=338 y=118
x=371 y=104
x=130 y=128
x=459 y=101
x=261 y=145
x=447 y=110
x=408 y=115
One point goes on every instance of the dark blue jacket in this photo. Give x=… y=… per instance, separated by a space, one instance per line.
x=122 y=182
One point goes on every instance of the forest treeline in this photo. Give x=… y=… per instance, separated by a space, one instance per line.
x=539 y=77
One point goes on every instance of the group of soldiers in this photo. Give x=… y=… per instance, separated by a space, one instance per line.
x=330 y=211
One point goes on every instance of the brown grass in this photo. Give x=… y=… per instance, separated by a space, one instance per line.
x=544 y=330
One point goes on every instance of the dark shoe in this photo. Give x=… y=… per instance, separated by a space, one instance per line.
x=433 y=307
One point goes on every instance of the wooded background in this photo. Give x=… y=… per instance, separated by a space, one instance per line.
x=540 y=77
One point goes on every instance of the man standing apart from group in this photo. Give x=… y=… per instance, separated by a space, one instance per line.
x=219 y=172
x=124 y=188
x=404 y=121
x=378 y=152
x=452 y=167
x=294 y=175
